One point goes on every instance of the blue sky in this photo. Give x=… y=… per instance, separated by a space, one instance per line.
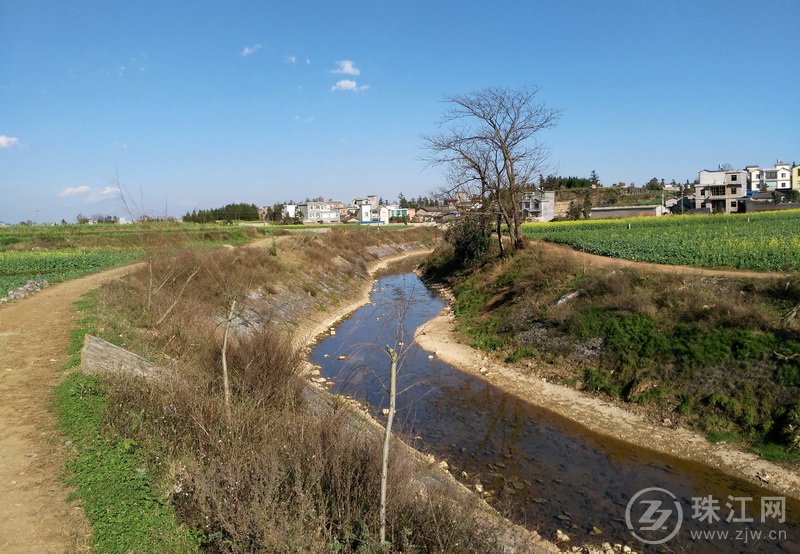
x=197 y=104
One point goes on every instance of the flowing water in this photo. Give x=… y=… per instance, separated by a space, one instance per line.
x=544 y=471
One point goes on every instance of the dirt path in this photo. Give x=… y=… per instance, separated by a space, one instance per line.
x=601 y=417
x=34 y=335
x=616 y=263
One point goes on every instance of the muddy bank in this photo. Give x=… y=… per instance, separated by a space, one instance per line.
x=601 y=417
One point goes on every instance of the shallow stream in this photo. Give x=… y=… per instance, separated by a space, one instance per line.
x=543 y=471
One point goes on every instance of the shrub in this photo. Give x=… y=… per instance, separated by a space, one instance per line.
x=470 y=238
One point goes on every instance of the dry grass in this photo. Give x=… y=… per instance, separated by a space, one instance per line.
x=719 y=352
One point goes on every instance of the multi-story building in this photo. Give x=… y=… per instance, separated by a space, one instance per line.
x=720 y=190
x=341 y=207
x=289 y=211
x=754 y=176
x=778 y=177
x=371 y=201
x=795 y=176
x=318 y=212
x=538 y=205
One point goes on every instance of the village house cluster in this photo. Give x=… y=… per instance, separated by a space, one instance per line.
x=722 y=190
x=368 y=210
x=736 y=190
x=364 y=210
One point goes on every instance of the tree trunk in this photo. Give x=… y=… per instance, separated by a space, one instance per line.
x=519 y=242
x=386 y=438
x=500 y=235
x=225 y=382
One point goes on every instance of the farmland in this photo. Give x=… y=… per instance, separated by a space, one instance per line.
x=767 y=241
x=59 y=253
x=18 y=267
x=120 y=236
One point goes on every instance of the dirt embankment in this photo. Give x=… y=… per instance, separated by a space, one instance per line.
x=601 y=417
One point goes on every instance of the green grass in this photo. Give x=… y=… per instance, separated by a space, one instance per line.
x=522 y=353
x=715 y=437
x=110 y=473
x=767 y=241
x=777 y=452
x=63 y=252
x=113 y=236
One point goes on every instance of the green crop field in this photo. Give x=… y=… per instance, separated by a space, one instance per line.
x=61 y=252
x=124 y=236
x=765 y=241
x=16 y=268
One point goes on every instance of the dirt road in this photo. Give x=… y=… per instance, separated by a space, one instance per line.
x=34 y=335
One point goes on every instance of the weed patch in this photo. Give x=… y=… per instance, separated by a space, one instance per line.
x=721 y=352
x=110 y=473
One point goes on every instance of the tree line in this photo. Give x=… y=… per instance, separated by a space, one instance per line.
x=229 y=212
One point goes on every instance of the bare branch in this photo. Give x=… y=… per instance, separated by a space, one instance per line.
x=490 y=140
x=177 y=298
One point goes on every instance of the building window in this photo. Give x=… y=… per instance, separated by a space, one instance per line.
x=734 y=177
x=733 y=204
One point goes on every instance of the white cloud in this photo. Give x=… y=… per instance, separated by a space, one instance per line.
x=250 y=50
x=105 y=193
x=346 y=67
x=291 y=59
x=8 y=142
x=348 y=84
x=74 y=191
x=310 y=119
x=345 y=84
x=90 y=194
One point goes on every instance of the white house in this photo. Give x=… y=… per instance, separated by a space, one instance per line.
x=289 y=211
x=318 y=212
x=778 y=177
x=538 y=205
x=378 y=215
x=720 y=190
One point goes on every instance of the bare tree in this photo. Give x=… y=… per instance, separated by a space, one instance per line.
x=491 y=143
x=225 y=381
x=387 y=435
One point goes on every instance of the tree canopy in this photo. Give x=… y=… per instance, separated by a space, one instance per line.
x=229 y=212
